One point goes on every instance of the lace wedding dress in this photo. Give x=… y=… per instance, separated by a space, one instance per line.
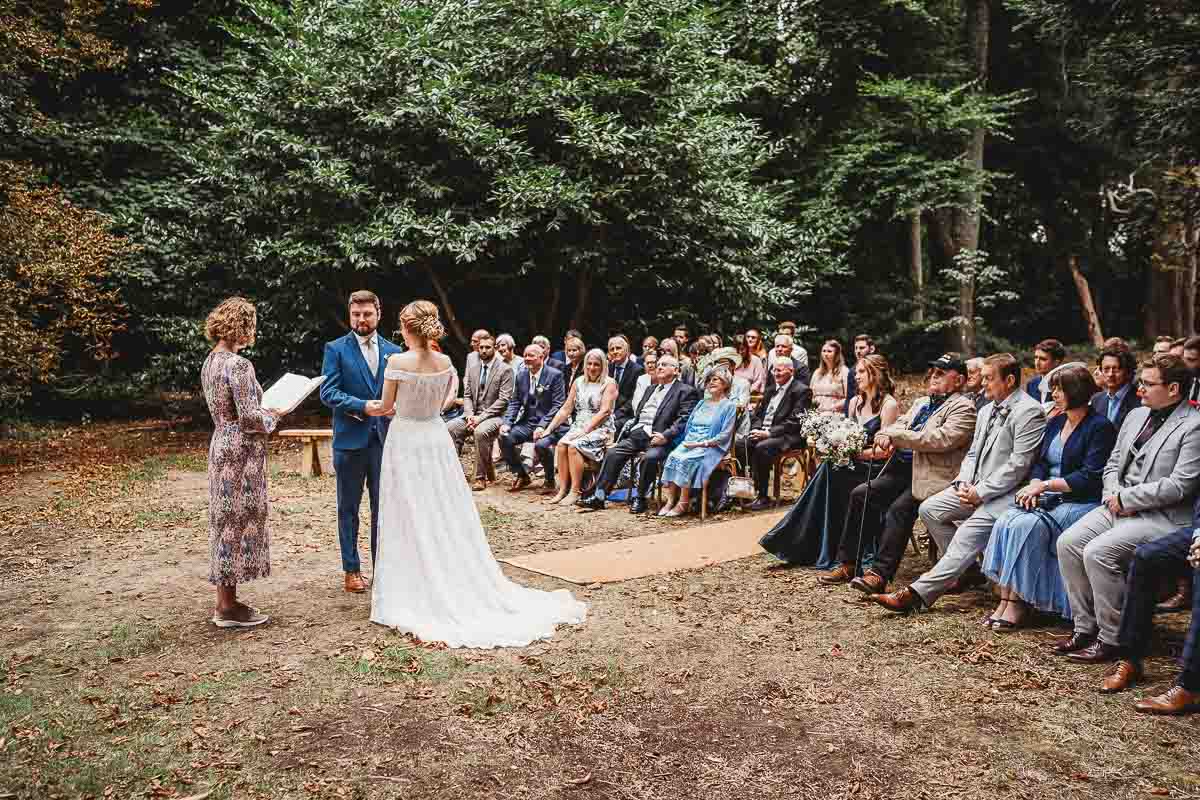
x=435 y=576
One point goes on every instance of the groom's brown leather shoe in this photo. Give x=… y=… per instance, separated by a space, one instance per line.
x=355 y=583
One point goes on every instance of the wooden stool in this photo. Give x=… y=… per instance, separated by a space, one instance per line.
x=310 y=460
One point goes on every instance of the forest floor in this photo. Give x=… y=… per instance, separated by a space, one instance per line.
x=739 y=680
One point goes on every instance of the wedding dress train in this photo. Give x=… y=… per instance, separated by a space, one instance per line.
x=435 y=576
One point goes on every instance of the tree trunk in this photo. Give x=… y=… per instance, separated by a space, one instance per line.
x=1085 y=300
x=583 y=293
x=915 y=267
x=555 y=297
x=450 y=317
x=1169 y=286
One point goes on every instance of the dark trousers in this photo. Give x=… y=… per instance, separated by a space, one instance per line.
x=898 y=524
x=1153 y=561
x=762 y=458
x=635 y=442
x=867 y=508
x=519 y=434
x=353 y=468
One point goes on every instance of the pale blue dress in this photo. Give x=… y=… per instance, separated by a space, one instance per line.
x=709 y=422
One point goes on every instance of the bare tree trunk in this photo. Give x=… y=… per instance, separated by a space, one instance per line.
x=1085 y=300
x=583 y=292
x=451 y=318
x=915 y=266
x=1191 y=232
x=555 y=297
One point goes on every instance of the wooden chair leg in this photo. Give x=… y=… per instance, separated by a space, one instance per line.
x=310 y=462
x=704 y=502
x=778 y=479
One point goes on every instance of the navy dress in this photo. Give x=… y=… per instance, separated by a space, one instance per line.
x=812 y=530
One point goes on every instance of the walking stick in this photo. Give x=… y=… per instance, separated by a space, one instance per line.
x=862 y=519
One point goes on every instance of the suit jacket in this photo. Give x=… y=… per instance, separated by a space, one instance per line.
x=1084 y=455
x=1000 y=459
x=348 y=386
x=673 y=410
x=536 y=408
x=851 y=389
x=1171 y=471
x=625 y=389
x=1129 y=403
x=787 y=420
x=488 y=401
x=558 y=364
x=939 y=447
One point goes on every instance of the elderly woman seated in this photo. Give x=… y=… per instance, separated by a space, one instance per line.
x=1065 y=484
x=706 y=440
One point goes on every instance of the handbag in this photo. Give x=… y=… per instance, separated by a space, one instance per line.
x=739 y=486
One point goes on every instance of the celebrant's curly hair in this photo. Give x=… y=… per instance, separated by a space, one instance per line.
x=233 y=322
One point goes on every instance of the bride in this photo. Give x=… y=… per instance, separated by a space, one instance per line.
x=435 y=576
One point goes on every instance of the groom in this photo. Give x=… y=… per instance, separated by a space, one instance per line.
x=353 y=370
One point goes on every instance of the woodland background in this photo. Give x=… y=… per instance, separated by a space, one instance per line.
x=940 y=173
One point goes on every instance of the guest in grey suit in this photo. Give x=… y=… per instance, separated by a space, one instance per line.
x=1007 y=442
x=1149 y=482
x=487 y=388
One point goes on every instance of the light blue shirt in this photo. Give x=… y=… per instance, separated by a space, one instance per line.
x=1115 y=400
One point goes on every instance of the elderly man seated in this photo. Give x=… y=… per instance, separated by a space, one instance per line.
x=785 y=348
x=1149 y=483
x=775 y=425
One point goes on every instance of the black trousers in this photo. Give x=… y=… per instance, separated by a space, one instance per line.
x=762 y=458
x=898 y=523
x=635 y=442
x=866 y=510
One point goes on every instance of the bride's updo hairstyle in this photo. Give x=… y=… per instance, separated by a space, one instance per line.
x=420 y=318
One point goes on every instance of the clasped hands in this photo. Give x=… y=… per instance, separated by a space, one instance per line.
x=968 y=495
x=375 y=409
x=1194 y=554
x=1113 y=504
x=1027 y=497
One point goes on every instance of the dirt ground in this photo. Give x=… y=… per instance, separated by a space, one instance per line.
x=741 y=680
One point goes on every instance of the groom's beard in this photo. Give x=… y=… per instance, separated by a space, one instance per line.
x=365 y=328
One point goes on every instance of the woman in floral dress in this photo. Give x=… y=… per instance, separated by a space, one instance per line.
x=239 y=541
x=589 y=405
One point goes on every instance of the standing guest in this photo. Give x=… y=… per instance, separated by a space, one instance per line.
x=561 y=355
x=686 y=372
x=506 y=347
x=353 y=376
x=1177 y=551
x=1191 y=359
x=1064 y=485
x=785 y=349
x=625 y=371
x=538 y=394
x=1162 y=344
x=974 y=385
x=758 y=347
x=1149 y=483
x=775 y=425
x=589 y=407
x=649 y=345
x=706 y=440
x=749 y=366
x=811 y=533
x=681 y=337
x=239 y=539
x=487 y=390
x=1118 y=395
x=1007 y=442
x=786 y=327
x=863 y=347
x=928 y=443
x=658 y=420
x=831 y=380
x=573 y=349
x=1047 y=354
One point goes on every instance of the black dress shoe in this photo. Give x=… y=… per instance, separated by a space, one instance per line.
x=761 y=504
x=592 y=503
x=638 y=506
x=1076 y=641
x=1096 y=653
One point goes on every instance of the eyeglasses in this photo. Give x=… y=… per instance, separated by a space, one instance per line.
x=1144 y=384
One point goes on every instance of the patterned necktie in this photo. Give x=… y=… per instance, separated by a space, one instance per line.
x=372 y=355
x=483 y=378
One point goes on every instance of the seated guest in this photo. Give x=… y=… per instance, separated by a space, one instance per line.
x=646 y=379
x=623 y=369
x=544 y=343
x=1149 y=482
x=786 y=327
x=811 y=533
x=706 y=439
x=1191 y=360
x=1047 y=354
x=573 y=349
x=473 y=353
x=589 y=408
x=1007 y=441
x=749 y=366
x=698 y=352
x=561 y=355
x=1167 y=555
x=506 y=348
x=863 y=346
x=758 y=346
x=681 y=337
x=775 y=425
x=487 y=390
x=1162 y=344
x=831 y=380
x=686 y=372
x=1020 y=558
x=739 y=391
x=1177 y=347
x=538 y=394
x=649 y=345
x=658 y=421
x=928 y=444
x=785 y=348
x=1118 y=395
x=973 y=389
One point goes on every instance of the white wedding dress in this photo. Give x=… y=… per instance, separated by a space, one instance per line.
x=435 y=576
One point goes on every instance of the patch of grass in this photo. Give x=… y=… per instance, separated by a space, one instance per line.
x=13 y=707
x=148 y=470
x=189 y=461
x=163 y=518
x=482 y=701
x=491 y=518
x=400 y=662
x=219 y=684
x=65 y=505
x=129 y=640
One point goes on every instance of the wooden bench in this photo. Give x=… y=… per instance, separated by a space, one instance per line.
x=310 y=458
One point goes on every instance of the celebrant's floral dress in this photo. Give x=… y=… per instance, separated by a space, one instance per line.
x=239 y=541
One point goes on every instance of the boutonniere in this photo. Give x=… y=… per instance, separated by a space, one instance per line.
x=1002 y=412
x=540 y=389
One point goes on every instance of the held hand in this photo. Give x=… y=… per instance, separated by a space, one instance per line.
x=883 y=441
x=1114 y=506
x=374 y=408
x=658 y=440
x=758 y=435
x=538 y=433
x=968 y=496
x=1194 y=554
x=504 y=429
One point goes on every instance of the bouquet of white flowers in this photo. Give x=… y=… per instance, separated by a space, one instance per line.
x=835 y=439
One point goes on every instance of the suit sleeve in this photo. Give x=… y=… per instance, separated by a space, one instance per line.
x=955 y=432
x=687 y=403
x=558 y=396
x=468 y=390
x=1027 y=446
x=502 y=398
x=1174 y=488
x=331 y=388
x=793 y=423
x=1088 y=479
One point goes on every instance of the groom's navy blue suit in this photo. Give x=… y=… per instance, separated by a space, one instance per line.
x=357 y=438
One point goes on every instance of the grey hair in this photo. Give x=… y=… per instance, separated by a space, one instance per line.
x=975 y=363
x=788 y=340
x=600 y=356
x=506 y=338
x=723 y=375
x=668 y=359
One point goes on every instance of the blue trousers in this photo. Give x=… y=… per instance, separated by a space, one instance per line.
x=354 y=467
x=519 y=434
x=1153 y=561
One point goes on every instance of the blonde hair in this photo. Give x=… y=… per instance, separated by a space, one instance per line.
x=420 y=318
x=233 y=322
x=600 y=356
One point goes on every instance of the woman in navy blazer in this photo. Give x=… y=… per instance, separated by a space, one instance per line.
x=1065 y=483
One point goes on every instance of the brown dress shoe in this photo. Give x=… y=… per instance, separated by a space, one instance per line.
x=1181 y=600
x=901 y=601
x=479 y=485
x=1124 y=674
x=1076 y=641
x=839 y=574
x=520 y=482
x=548 y=490
x=871 y=582
x=1176 y=700
x=355 y=583
x=1096 y=653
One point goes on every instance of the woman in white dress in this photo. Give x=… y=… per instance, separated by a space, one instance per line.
x=589 y=406
x=435 y=576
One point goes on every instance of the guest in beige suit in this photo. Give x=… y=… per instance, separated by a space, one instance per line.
x=487 y=388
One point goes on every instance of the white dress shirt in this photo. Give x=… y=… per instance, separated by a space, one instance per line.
x=650 y=410
x=369 y=347
x=773 y=406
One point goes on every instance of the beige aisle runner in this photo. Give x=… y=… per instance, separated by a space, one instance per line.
x=640 y=556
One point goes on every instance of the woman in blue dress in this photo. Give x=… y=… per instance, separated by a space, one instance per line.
x=1065 y=484
x=706 y=440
